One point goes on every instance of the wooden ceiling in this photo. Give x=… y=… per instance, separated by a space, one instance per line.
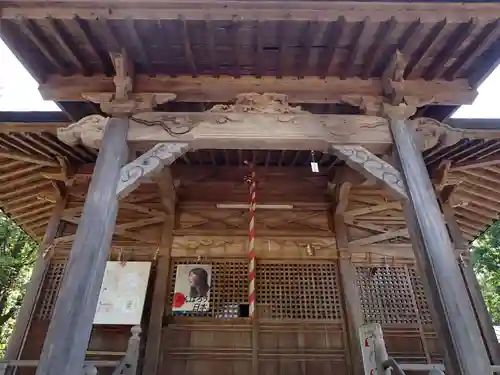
x=441 y=40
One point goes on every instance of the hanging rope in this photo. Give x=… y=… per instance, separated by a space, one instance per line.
x=250 y=179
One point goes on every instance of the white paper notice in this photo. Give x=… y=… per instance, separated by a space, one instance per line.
x=123 y=292
x=366 y=338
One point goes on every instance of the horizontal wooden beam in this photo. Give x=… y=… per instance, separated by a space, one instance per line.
x=225 y=89
x=233 y=130
x=216 y=10
x=287 y=129
x=31 y=127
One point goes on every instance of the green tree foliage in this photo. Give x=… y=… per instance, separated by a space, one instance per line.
x=17 y=255
x=486 y=259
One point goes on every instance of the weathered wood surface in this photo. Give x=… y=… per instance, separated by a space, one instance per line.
x=206 y=130
x=347 y=271
x=71 y=325
x=278 y=10
x=35 y=159
x=437 y=261
x=155 y=329
x=267 y=125
x=482 y=315
x=371 y=166
x=148 y=165
x=24 y=317
x=225 y=89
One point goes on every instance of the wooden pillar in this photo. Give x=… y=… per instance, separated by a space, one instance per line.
x=71 y=325
x=350 y=292
x=436 y=259
x=24 y=317
x=155 y=329
x=482 y=315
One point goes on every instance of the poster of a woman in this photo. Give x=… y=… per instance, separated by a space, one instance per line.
x=192 y=287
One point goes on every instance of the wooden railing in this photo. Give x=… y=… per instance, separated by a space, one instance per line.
x=389 y=366
x=127 y=365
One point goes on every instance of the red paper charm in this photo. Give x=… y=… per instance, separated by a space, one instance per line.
x=179 y=299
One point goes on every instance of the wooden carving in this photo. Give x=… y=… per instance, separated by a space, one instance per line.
x=266 y=247
x=259 y=103
x=432 y=132
x=290 y=223
x=368 y=164
x=148 y=165
x=88 y=131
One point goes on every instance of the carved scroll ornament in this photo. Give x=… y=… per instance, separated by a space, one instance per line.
x=368 y=164
x=148 y=165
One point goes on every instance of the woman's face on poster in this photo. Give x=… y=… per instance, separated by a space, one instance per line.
x=192 y=279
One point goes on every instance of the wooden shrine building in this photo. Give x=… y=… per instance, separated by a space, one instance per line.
x=252 y=185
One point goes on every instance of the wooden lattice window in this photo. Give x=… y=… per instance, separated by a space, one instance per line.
x=298 y=291
x=48 y=295
x=386 y=295
x=420 y=297
x=229 y=287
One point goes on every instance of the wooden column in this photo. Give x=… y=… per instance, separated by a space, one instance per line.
x=482 y=315
x=436 y=259
x=23 y=320
x=155 y=329
x=350 y=292
x=71 y=324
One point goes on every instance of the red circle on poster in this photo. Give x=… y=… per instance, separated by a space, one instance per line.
x=179 y=299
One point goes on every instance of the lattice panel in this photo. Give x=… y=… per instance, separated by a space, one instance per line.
x=229 y=287
x=386 y=295
x=298 y=291
x=420 y=297
x=50 y=290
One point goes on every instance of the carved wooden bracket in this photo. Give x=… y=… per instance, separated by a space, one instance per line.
x=148 y=165
x=370 y=165
x=135 y=103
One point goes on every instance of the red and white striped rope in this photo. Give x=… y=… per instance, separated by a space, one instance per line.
x=251 y=247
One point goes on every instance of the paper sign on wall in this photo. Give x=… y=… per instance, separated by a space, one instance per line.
x=192 y=288
x=367 y=342
x=123 y=292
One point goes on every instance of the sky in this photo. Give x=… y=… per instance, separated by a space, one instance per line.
x=19 y=91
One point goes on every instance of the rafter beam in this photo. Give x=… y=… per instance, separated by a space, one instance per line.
x=371 y=166
x=35 y=159
x=478 y=163
x=225 y=89
x=148 y=165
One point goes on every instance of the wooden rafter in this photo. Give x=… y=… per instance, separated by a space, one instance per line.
x=35 y=159
x=278 y=10
x=479 y=163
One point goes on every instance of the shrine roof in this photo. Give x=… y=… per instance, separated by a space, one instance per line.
x=441 y=40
